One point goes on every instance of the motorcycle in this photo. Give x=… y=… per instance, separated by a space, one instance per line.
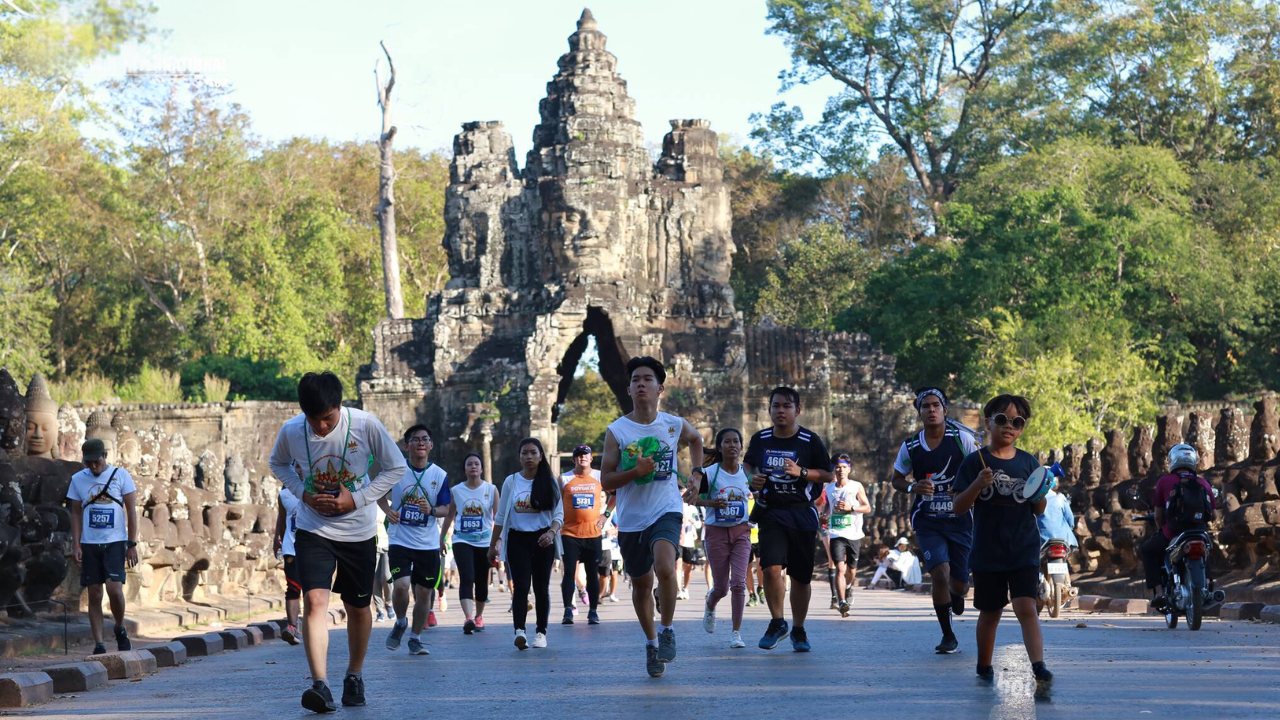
x=1055 y=591
x=1188 y=586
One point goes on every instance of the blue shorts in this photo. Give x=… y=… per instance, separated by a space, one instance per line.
x=946 y=543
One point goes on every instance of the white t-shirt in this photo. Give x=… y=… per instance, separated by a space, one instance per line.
x=473 y=523
x=418 y=530
x=734 y=487
x=523 y=517
x=844 y=525
x=344 y=455
x=103 y=520
x=690 y=526
x=290 y=503
x=640 y=506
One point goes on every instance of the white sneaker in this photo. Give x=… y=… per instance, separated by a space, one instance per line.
x=736 y=640
x=522 y=640
x=708 y=616
x=613 y=598
x=540 y=640
x=682 y=595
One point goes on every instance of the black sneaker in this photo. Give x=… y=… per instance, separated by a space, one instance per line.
x=800 y=640
x=957 y=604
x=835 y=602
x=568 y=617
x=122 y=639
x=776 y=633
x=1042 y=674
x=652 y=664
x=949 y=645
x=667 y=645
x=469 y=627
x=393 y=637
x=318 y=699
x=986 y=673
x=352 y=691
x=99 y=649
x=844 y=608
x=593 y=618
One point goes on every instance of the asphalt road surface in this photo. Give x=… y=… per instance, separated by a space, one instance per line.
x=878 y=661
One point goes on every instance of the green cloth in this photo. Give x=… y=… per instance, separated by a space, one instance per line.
x=646 y=446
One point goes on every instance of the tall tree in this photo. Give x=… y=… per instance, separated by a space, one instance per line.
x=386 y=210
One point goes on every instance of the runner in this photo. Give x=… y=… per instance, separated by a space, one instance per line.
x=728 y=534
x=335 y=446
x=286 y=523
x=582 y=497
x=690 y=526
x=755 y=574
x=933 y=457
x=473 y=533
x=610 y=557
x=526 y=533
x=846 y=503
x=788 y=464
x=104 y=536
x=650 y=503
x=417 y=501
x=1006 y=539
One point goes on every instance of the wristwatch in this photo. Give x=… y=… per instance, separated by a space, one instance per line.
x=804 y=473
x=911 y=488
x=131 y=543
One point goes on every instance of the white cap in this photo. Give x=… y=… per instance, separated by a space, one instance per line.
x=901 y=541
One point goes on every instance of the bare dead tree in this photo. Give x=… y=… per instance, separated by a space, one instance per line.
x=386 y=208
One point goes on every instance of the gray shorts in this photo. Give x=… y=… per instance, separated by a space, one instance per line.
x=637 y=547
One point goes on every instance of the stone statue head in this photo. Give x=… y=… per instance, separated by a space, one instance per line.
x=70 y=433
x=99 y=427
x=182 y=461
x=580 y=231
x=236 y=476
x=42 y=419
x=12 y=413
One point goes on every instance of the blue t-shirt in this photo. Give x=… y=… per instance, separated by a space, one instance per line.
x=1005 y=534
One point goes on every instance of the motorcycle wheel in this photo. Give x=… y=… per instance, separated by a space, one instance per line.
x=1055 y=600
x=1195 y=608
x=1171 y=619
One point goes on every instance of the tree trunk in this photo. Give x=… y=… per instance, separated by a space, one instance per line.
x=386 y=209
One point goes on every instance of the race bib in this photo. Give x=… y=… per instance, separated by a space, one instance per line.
x=940 y=504
x=841 y=522
x=584 y=501
x=736 y=511
x=102 y=518
x=412 y=515
x=471 y=524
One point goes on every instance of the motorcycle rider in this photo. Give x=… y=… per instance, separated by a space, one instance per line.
x=1183 y=460
x=1058 y=523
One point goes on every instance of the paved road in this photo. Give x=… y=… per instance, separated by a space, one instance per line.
x=880 y=659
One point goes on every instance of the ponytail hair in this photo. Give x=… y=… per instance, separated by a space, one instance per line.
x=713 y=455
x=544 y=493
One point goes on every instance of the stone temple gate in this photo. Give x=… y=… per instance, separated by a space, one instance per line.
x=593 y=238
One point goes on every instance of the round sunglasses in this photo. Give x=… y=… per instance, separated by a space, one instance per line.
x=1000 y=419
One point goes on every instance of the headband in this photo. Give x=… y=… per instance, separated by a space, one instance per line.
x=930 y=391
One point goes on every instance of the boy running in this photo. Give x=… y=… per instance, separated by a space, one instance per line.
x=650 y=502
x=335 y=445
x=846 y=502
x=788 y=467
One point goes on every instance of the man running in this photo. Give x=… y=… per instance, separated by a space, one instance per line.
x=417 y=500
x=846 y=503
x=788 y=467
x=336 y=520
x=584 y=520
x=650 y=501
x=933 y=457
x=286 y=523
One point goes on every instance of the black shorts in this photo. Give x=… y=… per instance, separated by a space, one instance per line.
x=100 y=562
x=688 y=555
x=292 y=586
x=791 y=548
x=992 y=590
x=844 y=550
x=422 y=566
x=637 y=547
x=605 y=566
x=356 y=563
x=755 y=552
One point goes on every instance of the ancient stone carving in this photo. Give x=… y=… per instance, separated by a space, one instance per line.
x=12 y=413
x=237 y=480
x=71 y=431
x=42 y=419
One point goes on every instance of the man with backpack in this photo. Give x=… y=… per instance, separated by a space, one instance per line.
x=1182 y=501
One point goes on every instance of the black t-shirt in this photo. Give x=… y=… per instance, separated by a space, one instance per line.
x=787 y=500
x=1005 y=535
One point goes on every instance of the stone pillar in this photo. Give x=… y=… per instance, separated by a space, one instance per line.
x=1264 y=435
x=1200 y=436
x=1140 y=450
x=1231 y=441
x=1168 y=434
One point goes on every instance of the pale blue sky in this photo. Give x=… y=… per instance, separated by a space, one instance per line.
x=306 y=68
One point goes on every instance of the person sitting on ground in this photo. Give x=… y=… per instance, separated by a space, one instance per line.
x=904 y=568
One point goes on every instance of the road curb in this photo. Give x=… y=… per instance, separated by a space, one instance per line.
x=127 y=664
x=25 y=688
x=168 y=654
x=77 y=676
x=1241 y=611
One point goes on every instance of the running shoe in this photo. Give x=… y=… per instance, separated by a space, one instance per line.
x=582 y=598
x=986 y=673
x=751 y=599
x=593 y=618
x=99 y=649
x=468 y=627
x=290 y=635
x=391 y=615
x=1041 y=673
x=708 y=616
x=843 y=608
x=522 y=641
x=652 y=664
x=736 y=641
x=957 y=604
x=568 y=617
x=667 y=645
x=613 y=598
x=760 y=596
x=397 y=632
x=353 y=690
x=479 y=624
x=776 y=633
x=318 y=698
x=379 y=617
x=431 y=619
x=683 y=594
x=800 y=640
x=835 y=602
x=848 y=594
x=122 y=639
x=539 y=640
x=417 y=648
x=949 y=645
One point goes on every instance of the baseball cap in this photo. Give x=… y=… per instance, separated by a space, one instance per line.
x=93 y=450
x=582 y=450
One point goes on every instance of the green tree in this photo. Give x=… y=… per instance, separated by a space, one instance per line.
x=588 y=409
x=821 y=275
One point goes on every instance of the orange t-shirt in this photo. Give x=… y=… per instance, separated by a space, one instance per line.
x=583 y=502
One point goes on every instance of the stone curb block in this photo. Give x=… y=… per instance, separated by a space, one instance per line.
x=1092 y=603
x=282 y=623
x=253 y=634
x=77 y=677
x=169 y=654
x=1241 y=611
x=234 y=639
x=1129 y=606
x=269 y=630
x=201 y=645
x=127 y=664
x=1270 y=613
x=25 y=688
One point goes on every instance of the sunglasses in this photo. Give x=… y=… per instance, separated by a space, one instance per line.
x=1000 y=419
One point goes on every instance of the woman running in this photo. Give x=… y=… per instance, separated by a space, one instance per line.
x=526 y=534
x=471 y=515
x=728 y=535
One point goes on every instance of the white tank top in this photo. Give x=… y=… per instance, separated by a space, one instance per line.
x=640 y=506
x=473 y=525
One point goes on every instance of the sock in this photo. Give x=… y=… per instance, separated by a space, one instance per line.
x=651 y=642
x=944 y=618
x=664 y=628
x=415 y=636
x=319 y=682
x=356 y=675
x=402 y=622
x=957 y=604
x=831 y=578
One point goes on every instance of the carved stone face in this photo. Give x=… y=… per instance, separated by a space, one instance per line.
x=42 y=433
x=580 y=237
